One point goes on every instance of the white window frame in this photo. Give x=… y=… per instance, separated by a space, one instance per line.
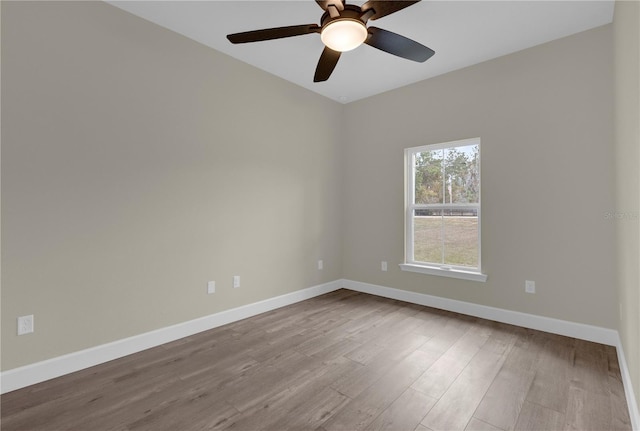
x=462 y=272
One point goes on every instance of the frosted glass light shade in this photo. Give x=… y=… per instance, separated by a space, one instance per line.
x=344 y=34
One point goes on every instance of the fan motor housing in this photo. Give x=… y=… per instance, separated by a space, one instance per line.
x=351 y=12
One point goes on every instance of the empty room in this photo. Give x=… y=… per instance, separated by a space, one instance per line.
x=320 y=215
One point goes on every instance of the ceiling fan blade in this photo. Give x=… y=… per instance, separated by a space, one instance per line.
x=326 y=64
x=400 y=46
x=273 y=33
x=386 y=7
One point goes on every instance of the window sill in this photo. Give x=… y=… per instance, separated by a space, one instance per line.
x=453 y=273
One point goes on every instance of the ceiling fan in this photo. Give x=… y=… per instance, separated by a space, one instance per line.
x=343 y=28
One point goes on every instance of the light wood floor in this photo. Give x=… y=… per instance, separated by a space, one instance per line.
x=342 y=361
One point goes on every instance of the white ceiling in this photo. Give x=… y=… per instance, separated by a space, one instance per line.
x=462 y=33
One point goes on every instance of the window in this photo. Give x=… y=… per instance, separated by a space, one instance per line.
x=442 y=227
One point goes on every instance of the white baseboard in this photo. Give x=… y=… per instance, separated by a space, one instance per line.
x=628 y=387
x=41 y=371
x=540 y=323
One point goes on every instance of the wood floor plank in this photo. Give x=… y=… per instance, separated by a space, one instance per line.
x=587 y=410
x=248 y=393
x=313 y=412
x=437 y=379
x=298 y=392
x=590 y=370
x=199 y=412
x=456 y=407
x=204 y=419
x=405 y=413
x=534 y=417
x=316 y=344
x=447 y=332
x=265 y=350
x=432 y=323
x=550 y=387
x=345 y=360
x=364 y=353
x=478 y=425
x=335 y=350
x=364 y=408
x=358 y=381
x=505 y=397
x=382 y=328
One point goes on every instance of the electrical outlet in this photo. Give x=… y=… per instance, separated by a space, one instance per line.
x=530 y=286
x=320 y=264
x=25 y=324
x=236 y=281
x=211 y=287
x=383 y=265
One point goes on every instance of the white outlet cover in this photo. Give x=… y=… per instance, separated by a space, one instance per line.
x=383 y=265
x=530 y=286
x=211 y=287
x=236 y=281
x=25 y=324
x=320 y=264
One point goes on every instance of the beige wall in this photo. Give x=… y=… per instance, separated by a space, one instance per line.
x=627 y=145
x=137 y=165
x=545 y=119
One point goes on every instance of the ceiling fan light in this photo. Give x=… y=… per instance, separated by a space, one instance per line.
x=344 y=34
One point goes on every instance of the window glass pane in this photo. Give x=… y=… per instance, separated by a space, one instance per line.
x=427 y=235
x=428 y=177
x=461 y=174
x=460 y=238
